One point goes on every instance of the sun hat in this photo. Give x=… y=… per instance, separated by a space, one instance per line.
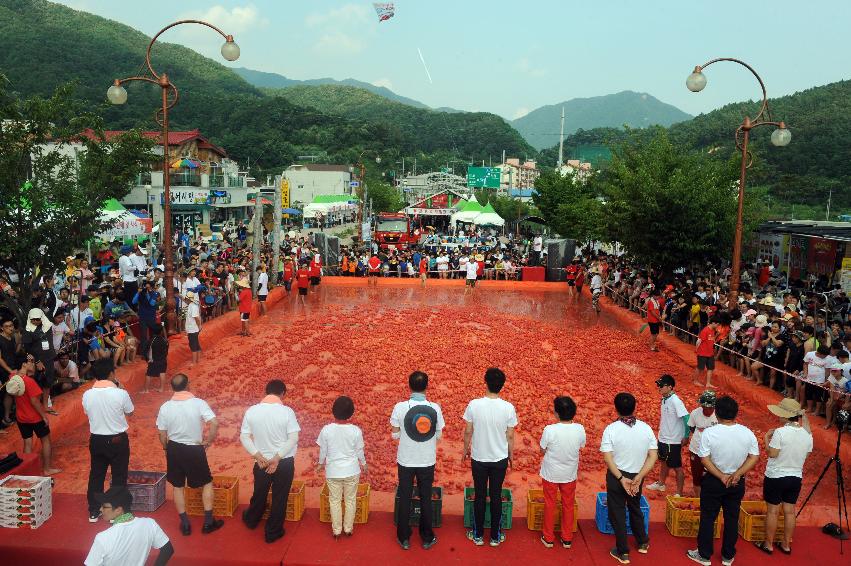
x=243 y=283
x=761 y=320
x=707 y=399
x=750 y=312
x=787 y=408
x=420 y=423
x=15 y=386
x=768 y=300
x=190 y=296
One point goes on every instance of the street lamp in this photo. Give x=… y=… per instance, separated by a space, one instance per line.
x=780 y=137
x=117 y=94
x=361 y=173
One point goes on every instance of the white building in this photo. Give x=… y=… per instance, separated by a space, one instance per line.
x=576 y=168
x=516 y=175
x=308 y=181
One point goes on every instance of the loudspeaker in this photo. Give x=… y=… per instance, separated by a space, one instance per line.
x=559 y=255
x=332 y=255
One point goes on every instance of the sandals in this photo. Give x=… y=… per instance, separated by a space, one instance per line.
x=786 y=551
x=761 y=545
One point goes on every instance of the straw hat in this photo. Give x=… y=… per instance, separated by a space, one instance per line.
x=761 y=320
x=243 y=283
x=768 y=300
x=190 y=296
x=480 y=257
x=15 y=386
x=787 y=408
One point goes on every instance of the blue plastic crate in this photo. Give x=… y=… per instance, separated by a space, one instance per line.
x=601 y=515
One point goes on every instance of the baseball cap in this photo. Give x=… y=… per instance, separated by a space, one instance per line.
x=707 y=399
x=666 y=380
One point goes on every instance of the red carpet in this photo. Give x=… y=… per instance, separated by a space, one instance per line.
x=66 y=537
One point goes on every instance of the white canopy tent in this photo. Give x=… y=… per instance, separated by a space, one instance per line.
x=488 y=217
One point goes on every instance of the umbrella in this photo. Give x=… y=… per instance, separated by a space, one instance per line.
x=291 y=211
x=185 y=162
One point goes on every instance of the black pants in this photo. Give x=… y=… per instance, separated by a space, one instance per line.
x=487 y=480
x=146 y=334
x=715 y=496
x=425 y=478
x=107 y=451
x=280 y=483
x=130 y=289
x=618 y=502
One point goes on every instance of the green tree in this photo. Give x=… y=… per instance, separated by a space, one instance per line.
x=384 y=197
x=570 y=205
x=670 y=206
x=50 y=199
x=511 y=210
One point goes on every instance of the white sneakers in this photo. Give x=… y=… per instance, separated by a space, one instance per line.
x=656 y=486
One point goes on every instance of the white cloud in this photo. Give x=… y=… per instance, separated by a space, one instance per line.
x=339 y=31
x=234 y=20
x=526 y=67
x=520 y=112
x=385 y=82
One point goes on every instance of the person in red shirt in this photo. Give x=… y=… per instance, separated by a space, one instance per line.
x=705 y=351
x=31 y=414
x=374 y=266
x=315 y=272
x=289 y=274
x=764 y=275
x=423 y=269
x=302 y=278
x=244 y=300
x=571 y=276
x=580 y=281
x=654 y=317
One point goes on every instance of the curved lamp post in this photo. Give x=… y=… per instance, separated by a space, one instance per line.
x=118 y=95
x=779 y=137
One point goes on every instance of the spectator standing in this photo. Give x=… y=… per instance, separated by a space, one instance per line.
x=423 y=268
x=128 y=542
x=654 y=317
x=80 y=313
x=537 y=248
x=269 y=434
x=181 y=428
x=699 y=420
x=417 y=424
x=815 y=375
x=37 y=341
x=127 y=272
x=705 y=350
x=193 y=326
x=673 y=428
x=262 y=288
x=560 y=444
x=244 y=300
x=787 y=448
x=373 y=267
x=146 y=302
x=341 y=452
x=106 y=406
x=489 y=442
x=629 y=451
x=472 y=269
x=31 y=414
x=728 y=451
x=157 y=357
x=8 y=364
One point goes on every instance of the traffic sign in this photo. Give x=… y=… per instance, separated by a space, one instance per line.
x=487 y=177
x=354 y=184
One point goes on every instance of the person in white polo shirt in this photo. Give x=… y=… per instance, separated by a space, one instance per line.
x=106 y=405
x=489 y=442
x=129 y=540
x=629 y=451
x=472 y=272
x=181 y=423
x=673 y=429
x=270 y=434
x=728 y=451
x=699 y=420
x=560 y=443
x=787 y=448
x=417 y=424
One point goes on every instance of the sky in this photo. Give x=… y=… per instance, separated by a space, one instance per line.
x=512 y=57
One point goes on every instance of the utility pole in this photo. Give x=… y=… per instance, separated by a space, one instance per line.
x=276 y=234
x=561 y=141
x=829 y=198
x=258 y=238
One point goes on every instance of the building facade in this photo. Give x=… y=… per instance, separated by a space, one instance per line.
x=306 y=182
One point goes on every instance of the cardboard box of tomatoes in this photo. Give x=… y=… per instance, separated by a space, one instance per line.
x=26 y=502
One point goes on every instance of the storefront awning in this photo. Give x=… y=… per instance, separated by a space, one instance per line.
x=232 y=205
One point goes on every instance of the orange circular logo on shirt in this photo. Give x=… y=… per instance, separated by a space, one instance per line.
x=423 y=424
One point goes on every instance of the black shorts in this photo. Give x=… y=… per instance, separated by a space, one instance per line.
x=187 y=465
x=815 y=393
x=471 y=282
x=781 y=490
x=156 y=368
x=671 y=454
x=705 y=362
x=244 y=316
x=571 y=282
x=315 y=280
x=41 y=429
x=302 y=290
x=654 y=327
x=194 y=343
x=288 y=285
x=262 y=298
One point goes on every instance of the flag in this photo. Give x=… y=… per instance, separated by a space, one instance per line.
x=385 y=11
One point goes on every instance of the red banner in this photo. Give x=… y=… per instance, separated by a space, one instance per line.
x=821 y=259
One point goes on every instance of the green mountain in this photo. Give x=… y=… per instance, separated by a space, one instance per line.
x=541 y=127
x=43 y=45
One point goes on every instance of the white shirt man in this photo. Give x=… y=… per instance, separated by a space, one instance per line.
x=127 y=269
x=537 y=244
x=263 y=283
x=472 y=270
x=596 y=283
x=269 y=433
x=78 y=317
x=672 y=430
x=816 y=365
x=193 y=315
x=561 y=443
x=491 y=417
x=182 y=418
x=411 y=453
x=139 y=262
x=628 y=444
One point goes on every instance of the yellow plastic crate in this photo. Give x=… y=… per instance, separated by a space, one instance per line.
x=684 y=522
x=361 y=511
x=752 y=522
x=535 y=511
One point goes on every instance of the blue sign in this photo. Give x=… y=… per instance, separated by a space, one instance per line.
x=354 y=184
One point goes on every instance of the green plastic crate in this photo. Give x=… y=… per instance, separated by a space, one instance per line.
x=436 y=507
x=507 y=508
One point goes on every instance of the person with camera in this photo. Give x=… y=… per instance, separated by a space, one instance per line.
x=787 y=447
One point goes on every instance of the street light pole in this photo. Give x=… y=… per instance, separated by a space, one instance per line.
x=781 y=136
x=118 y=95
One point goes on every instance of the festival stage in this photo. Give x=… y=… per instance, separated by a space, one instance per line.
x=363 y=342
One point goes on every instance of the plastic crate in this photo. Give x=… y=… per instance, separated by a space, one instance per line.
x=416 y=507
x=507 y=508
x=535 y=511
x=225 y=497
x=752 y=522
x=361 y=510
x=25 y=507
x=295 y=502
x=601 y=515
x=147 y=496
x=685 y=522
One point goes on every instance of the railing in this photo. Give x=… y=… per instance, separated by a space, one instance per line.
x=234 y=182
x=184 y=180
x=217 y=180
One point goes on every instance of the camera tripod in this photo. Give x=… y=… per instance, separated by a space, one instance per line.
x=841 y=502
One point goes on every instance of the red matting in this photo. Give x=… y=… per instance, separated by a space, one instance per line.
x=534 y=274
x=67 y=536
x=29 y=466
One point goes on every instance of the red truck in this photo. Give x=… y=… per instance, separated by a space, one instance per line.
x=393 y=229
